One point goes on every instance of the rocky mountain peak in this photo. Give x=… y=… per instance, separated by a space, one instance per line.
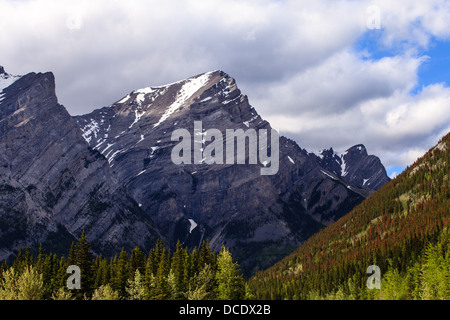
x=229 y=204
x=359 y=150
x=6 y=80
x=110 y=172
x=55 y=184
x=355 y=166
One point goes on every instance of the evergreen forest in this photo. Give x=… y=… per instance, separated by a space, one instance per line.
x=402 y=229
x=160 y=275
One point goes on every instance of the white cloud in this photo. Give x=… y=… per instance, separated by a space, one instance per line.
x=294 y=59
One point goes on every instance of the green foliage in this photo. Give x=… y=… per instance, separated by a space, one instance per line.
x=161 y=274
x=27 y=285
x=105 y=292
x=136 y=287
x=402 y=228
x=230 y=283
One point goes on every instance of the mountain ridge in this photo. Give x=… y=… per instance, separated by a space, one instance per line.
x=134 y=134
x=110 y=172
x=393 y=229
x=52 y=181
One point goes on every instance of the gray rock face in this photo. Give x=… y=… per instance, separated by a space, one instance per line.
x=52 y=183
x=261 y=218
x=115 y=177
x=356 y=167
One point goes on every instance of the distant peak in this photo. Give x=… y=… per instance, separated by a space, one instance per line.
x=357 y=150
x=358 y=147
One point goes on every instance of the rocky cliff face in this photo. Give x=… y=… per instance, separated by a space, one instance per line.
x=116 y=179
x=355 y=167
x=260 y=217
x=52 y=183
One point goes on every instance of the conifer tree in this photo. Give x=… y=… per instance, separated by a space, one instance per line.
x=105 y=292
x=136 y=287
x=177 y=268
x=137 y=262
x=28 y=285
x=230 y=283
x=122 y=273
x=84 y=260
x=161 y=290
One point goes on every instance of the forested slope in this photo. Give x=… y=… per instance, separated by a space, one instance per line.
x=402 y=228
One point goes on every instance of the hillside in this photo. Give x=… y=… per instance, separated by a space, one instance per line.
x=402 y=228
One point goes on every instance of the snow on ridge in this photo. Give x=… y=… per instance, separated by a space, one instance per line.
x=343 y=167
x=138 y=117
x=90 y=129
x=124 y=99
x=7 y=79
x=189 y=88
x=144 y=91
x=111 y=158
x=327 y=174
x=140 y=98
x=247 y=123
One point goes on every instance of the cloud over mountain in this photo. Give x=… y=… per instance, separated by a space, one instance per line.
x=341 y=82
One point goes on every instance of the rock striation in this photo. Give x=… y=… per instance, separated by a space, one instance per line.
x=260 y=218
x=53 y=184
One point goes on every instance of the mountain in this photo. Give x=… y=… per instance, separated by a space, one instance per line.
x=53 y=184
x=261 y=218
x=402 y=229
x=356 y=167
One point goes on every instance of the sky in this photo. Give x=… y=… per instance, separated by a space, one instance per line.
x=325 y=73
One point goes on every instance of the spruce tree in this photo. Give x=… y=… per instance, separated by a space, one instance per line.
x=84 y=260
x=230 y=283
x=122 y=273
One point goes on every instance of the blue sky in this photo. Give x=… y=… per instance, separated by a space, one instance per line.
x=437 y=67
x=313 y=69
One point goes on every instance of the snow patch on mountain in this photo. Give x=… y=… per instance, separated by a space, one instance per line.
x=343 y=166
x=137 y=116
x=6 y=80
x=193 y=225
x=188 y=89
x=90 y=129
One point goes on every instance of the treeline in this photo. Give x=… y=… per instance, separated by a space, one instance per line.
x=402 y=228
x=159 y=275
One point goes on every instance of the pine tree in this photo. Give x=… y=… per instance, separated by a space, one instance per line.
x=161 y=290
x=230 y=283
x=137 y=262
x=122 y=273
x=28 y=285
x=177 y=269
x=136 y=287
x=105 y=292
x=84 y=260
x=71 y=257
x=203 y=285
